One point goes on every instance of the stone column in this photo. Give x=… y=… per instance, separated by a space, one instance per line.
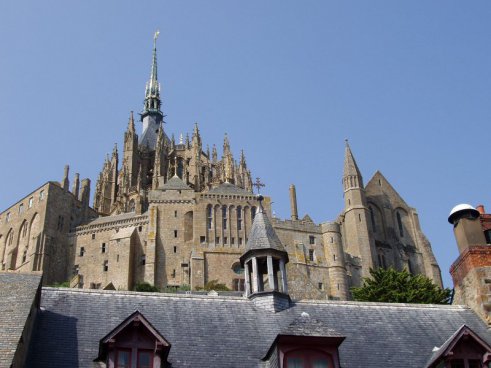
x=255 y=276
x=283 y=276
x=247 y=280
x=272 y=285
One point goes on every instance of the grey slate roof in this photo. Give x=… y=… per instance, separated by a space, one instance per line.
x=262 y=234
x=228 y=188
x=305 y=325
x=231 y=332
x=17 y=294
x=105 y=219
x=175 y=183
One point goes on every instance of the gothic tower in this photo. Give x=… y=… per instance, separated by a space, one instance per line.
x=357 y=238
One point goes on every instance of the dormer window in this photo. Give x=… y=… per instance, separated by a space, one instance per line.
x=135 y=343
x=306 y=343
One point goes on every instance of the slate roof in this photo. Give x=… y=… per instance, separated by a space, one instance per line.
x=17 y=294
x=113 y=218
x=305 y=325
x=175 y=183
x=228 y=188
x=231 y=332
x=262 y=235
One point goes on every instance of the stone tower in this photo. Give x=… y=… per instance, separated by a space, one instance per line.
x=357 y=238
x=471 y=272
x=264 y=262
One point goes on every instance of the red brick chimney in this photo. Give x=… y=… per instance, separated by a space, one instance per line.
x=480 y=208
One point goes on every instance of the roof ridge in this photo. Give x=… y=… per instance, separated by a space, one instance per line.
x=142 y=293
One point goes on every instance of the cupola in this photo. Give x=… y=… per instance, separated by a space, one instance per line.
x=264 y=262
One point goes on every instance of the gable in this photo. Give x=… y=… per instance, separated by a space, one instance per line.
x=380 y=191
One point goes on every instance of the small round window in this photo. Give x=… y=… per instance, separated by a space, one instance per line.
x=237 y=268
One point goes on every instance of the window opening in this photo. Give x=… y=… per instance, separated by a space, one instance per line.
x=372 y=217
x=311 y=239
x=209 y=217
x=105 y=266
x=311 y=255
x=399 y=223
x=224 y=217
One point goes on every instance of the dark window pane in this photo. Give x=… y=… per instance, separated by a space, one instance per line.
x=144 y=359
x=320 y=363
x=458 y=363
x=123 y=359
x=295 y=363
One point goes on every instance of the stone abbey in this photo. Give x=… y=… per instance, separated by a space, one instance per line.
x=172 y=213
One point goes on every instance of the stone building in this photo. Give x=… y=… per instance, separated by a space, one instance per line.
x=34 y=231
x=264 y=328
x=471 y=271
x=174 y=213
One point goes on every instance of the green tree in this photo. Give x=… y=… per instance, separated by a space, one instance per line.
x=392 y=286
x=146 y=287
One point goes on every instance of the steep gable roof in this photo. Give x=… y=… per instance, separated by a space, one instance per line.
x=450 y=343
x=175 y=183
x=232 y=332
x=17 y=296
x=379 y=184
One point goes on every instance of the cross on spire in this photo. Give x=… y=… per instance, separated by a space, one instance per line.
x=258 y=185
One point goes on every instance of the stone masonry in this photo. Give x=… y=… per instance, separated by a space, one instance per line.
x=173 y=213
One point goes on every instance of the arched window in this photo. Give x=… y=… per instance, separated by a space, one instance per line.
x=372 y=217
x=399 y=224
x=23 y=229
x=381 y=260
x=239 y=218
x=209 y=216
x=10 y=238
x=253 y=213
x=224 y=217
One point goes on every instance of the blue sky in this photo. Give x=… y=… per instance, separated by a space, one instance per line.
x=408 y=83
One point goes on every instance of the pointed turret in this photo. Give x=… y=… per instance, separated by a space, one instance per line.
x=157 y=169
x=351 y=175
x=264 y=262
x=152 y=116
x=130 y=153
x=228 y=162
x=358 y=241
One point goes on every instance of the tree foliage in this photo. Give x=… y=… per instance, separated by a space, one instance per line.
x=392 y=286
x=146 y=287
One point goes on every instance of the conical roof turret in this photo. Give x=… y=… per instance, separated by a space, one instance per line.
x=262 y=235
x=350 y=167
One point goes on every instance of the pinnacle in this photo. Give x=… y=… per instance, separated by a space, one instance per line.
x=350 y=166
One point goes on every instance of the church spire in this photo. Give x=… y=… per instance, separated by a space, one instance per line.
x=152 y=88
x=151 y=116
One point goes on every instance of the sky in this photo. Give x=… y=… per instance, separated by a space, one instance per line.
x=408 y=83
